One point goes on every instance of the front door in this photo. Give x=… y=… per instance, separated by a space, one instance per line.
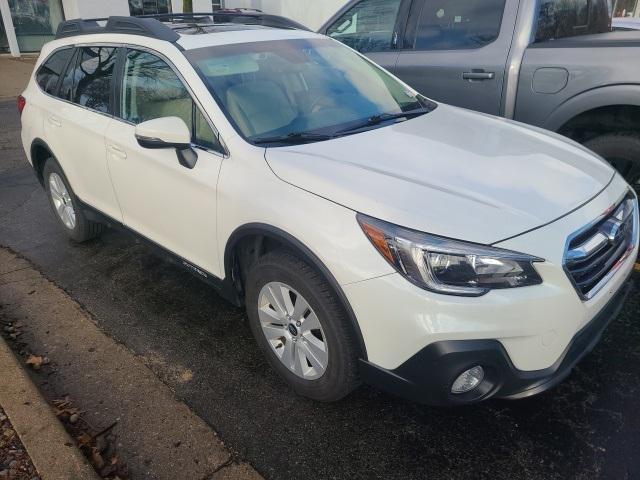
x=173 y=206
x=455 y=51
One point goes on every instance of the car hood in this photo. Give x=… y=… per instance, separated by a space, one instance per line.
x=451 y=172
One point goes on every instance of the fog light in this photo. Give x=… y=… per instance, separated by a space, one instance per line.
x=468 y=380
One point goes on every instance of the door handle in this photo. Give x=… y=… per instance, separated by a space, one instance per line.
x=54 y=121
x=478 y=75
x=117 y=151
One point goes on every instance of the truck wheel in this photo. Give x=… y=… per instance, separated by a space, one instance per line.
x=65 y=204
x=622 y=151
x=301 y=327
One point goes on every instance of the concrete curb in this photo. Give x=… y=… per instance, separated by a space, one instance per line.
x=52 y=451
x=158 y=436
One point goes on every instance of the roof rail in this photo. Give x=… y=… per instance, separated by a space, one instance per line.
x=153 y=26
x=147 y=27
x=242 y=17
x=78 y=26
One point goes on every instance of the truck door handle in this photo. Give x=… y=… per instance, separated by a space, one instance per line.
x=54 y=121
x=117 y=151
x=478 y=75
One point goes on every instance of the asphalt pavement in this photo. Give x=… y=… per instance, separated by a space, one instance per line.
x=587 y=427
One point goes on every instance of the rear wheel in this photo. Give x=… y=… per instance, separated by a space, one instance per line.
x=622 y=151
x=301 y=326
x=65 y=205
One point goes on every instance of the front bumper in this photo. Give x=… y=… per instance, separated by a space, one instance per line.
x=428 y=375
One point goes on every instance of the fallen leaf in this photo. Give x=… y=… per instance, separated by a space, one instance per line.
x=97 y=460
x=35 y=361
x=84 y=440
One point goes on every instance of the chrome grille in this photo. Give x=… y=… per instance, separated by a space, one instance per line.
x=595 y=253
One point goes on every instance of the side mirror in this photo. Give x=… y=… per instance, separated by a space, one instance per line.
x=168 y=132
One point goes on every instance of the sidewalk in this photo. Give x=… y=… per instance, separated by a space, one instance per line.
x=14 y=75
x=49 y=446
x=156 y=435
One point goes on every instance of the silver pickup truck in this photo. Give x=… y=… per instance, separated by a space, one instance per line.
x=555 y=64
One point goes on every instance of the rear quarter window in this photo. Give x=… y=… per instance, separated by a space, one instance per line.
x=49 y=73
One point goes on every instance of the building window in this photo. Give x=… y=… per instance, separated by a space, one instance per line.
x=626 y=8
x=35 y=22
x=217 y=5
x=149 y=7
x=4 y=42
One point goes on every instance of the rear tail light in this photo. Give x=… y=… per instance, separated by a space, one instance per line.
x=22 y=102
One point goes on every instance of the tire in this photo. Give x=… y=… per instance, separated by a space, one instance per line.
x=622 y=151
x=80 y=229
x=340 y=376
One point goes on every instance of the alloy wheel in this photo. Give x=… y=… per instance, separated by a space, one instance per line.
x=293 y=330
x=62 y=201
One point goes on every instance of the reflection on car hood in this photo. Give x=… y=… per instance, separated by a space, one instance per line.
x=451 y=172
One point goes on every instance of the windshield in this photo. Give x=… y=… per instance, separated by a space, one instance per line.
x=304 y=90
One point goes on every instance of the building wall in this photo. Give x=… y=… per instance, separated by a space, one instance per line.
x=312 y=13
x=105 y=8
x=94 y=8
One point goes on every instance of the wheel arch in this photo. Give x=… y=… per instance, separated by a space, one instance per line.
x=248 y=242
x=609 y=98
x=39 y=153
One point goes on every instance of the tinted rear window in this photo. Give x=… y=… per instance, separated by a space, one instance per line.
x=49 y=73
x=571 y=18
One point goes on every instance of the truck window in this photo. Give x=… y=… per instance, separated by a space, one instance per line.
x=458 y=24
x=570 y=18
x=368 y=26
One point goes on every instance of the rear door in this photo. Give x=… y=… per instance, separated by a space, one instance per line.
x=372 y=27
x=455 y=51
x=77 y=120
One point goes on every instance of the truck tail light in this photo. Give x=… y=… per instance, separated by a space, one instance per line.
x=22 y=102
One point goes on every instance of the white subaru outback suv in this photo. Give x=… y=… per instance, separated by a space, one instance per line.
x=372 y=234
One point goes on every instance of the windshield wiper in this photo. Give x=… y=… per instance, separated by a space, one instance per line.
x=383 y=117
x=293 y=138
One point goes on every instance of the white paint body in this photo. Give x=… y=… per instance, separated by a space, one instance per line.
x=451 y=172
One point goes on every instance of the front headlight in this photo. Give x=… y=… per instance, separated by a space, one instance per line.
x=449 y=266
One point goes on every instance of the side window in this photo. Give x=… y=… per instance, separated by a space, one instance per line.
x=458 y=24
x=204 y=136
x=92 y=77
x=369 y=26
x=561 y=18
x=49 y=73
x=66 y=87
x=151 y=89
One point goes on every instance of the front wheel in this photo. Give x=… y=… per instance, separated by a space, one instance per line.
x=301 y=327
x=622 y=151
